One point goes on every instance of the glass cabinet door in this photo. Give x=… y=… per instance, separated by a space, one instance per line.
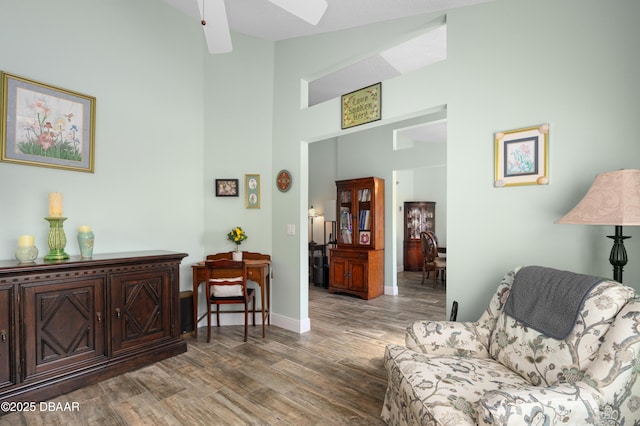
x=364 y=216
x=345 y=218
x=419 y=217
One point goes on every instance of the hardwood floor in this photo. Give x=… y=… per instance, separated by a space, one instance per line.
x=332 y=375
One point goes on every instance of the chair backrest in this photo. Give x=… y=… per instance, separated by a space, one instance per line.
x=245 y=255
x=544 y=360
x=226 y=278
x=429 y=246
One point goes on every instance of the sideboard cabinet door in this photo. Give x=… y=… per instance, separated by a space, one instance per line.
x=63 y=327
x=7 y=377
x=140 y=308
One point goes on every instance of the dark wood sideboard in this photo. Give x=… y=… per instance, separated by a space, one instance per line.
x=65 y=325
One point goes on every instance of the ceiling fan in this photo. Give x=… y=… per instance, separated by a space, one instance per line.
x=216 y=27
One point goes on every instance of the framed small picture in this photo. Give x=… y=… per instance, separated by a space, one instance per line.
x=252 y=191
x=365 y=238
x=522 y=156
x=226 y=187
x=46 y=126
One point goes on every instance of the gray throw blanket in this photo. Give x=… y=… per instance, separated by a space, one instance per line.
x=548 y=300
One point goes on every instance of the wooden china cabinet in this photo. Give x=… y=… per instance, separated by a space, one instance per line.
x=419 y=216
x=357 y=263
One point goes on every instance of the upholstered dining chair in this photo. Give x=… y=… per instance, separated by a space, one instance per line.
x=431 y=261
x=226 y=283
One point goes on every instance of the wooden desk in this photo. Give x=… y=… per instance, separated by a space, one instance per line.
x=258 y=270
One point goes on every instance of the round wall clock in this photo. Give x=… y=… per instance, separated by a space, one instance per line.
x=283 y=180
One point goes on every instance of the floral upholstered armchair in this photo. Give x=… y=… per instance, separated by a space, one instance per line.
x=504 y=371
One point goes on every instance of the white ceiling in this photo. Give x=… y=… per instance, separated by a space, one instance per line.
x=417 y=52
x=264 y=20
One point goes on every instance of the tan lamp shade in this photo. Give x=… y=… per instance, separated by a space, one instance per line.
x=613 y=199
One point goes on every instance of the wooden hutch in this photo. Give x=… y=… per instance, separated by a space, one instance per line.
x=357 y=263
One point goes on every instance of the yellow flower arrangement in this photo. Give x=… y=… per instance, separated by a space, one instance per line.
x=237 y=235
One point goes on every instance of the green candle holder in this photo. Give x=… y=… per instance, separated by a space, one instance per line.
x=57 y=239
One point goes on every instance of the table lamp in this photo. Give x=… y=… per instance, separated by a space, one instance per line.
x=613 y=199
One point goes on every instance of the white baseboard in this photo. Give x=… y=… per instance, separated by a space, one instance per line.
x=297 y=326
x=391 y=290
x=233 y=318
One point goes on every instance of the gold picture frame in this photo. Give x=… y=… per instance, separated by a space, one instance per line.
x=252 y=191
x=46 y=126
x=522 y=156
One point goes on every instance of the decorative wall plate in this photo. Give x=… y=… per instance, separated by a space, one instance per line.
x=283 y=180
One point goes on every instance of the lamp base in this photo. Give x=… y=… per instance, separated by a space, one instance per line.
x=618 y=255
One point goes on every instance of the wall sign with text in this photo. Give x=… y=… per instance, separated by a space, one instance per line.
x=362 y=106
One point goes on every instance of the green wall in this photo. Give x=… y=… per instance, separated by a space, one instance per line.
x=143 y=62
x=510 y=64
x=171 y=119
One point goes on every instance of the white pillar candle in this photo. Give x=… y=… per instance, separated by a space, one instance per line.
x=25 y=241
x=84 y=228
x=55 y=204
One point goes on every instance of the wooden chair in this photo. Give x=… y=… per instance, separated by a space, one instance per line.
x=226 y=283
x=431 y=261
x=250 y=255
x=245 y=255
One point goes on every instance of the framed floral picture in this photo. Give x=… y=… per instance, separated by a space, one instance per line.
x=46 y=126
x=522 y=156
x=252 y=191
x=226 y=187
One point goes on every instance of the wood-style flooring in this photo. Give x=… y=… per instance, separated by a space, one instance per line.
x=332 y=375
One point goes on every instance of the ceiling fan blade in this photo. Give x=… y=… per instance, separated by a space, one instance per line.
x=216 y=30
x=309 y=10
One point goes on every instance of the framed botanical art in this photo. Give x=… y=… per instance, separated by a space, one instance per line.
x=252 y=191
x=226 y=187
x=46 y=126
x=522 y=156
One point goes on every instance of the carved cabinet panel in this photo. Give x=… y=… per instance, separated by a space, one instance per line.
x=64 y=324
x=140 y=308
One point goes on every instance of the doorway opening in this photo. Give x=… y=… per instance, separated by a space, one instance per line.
x=409 y=154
